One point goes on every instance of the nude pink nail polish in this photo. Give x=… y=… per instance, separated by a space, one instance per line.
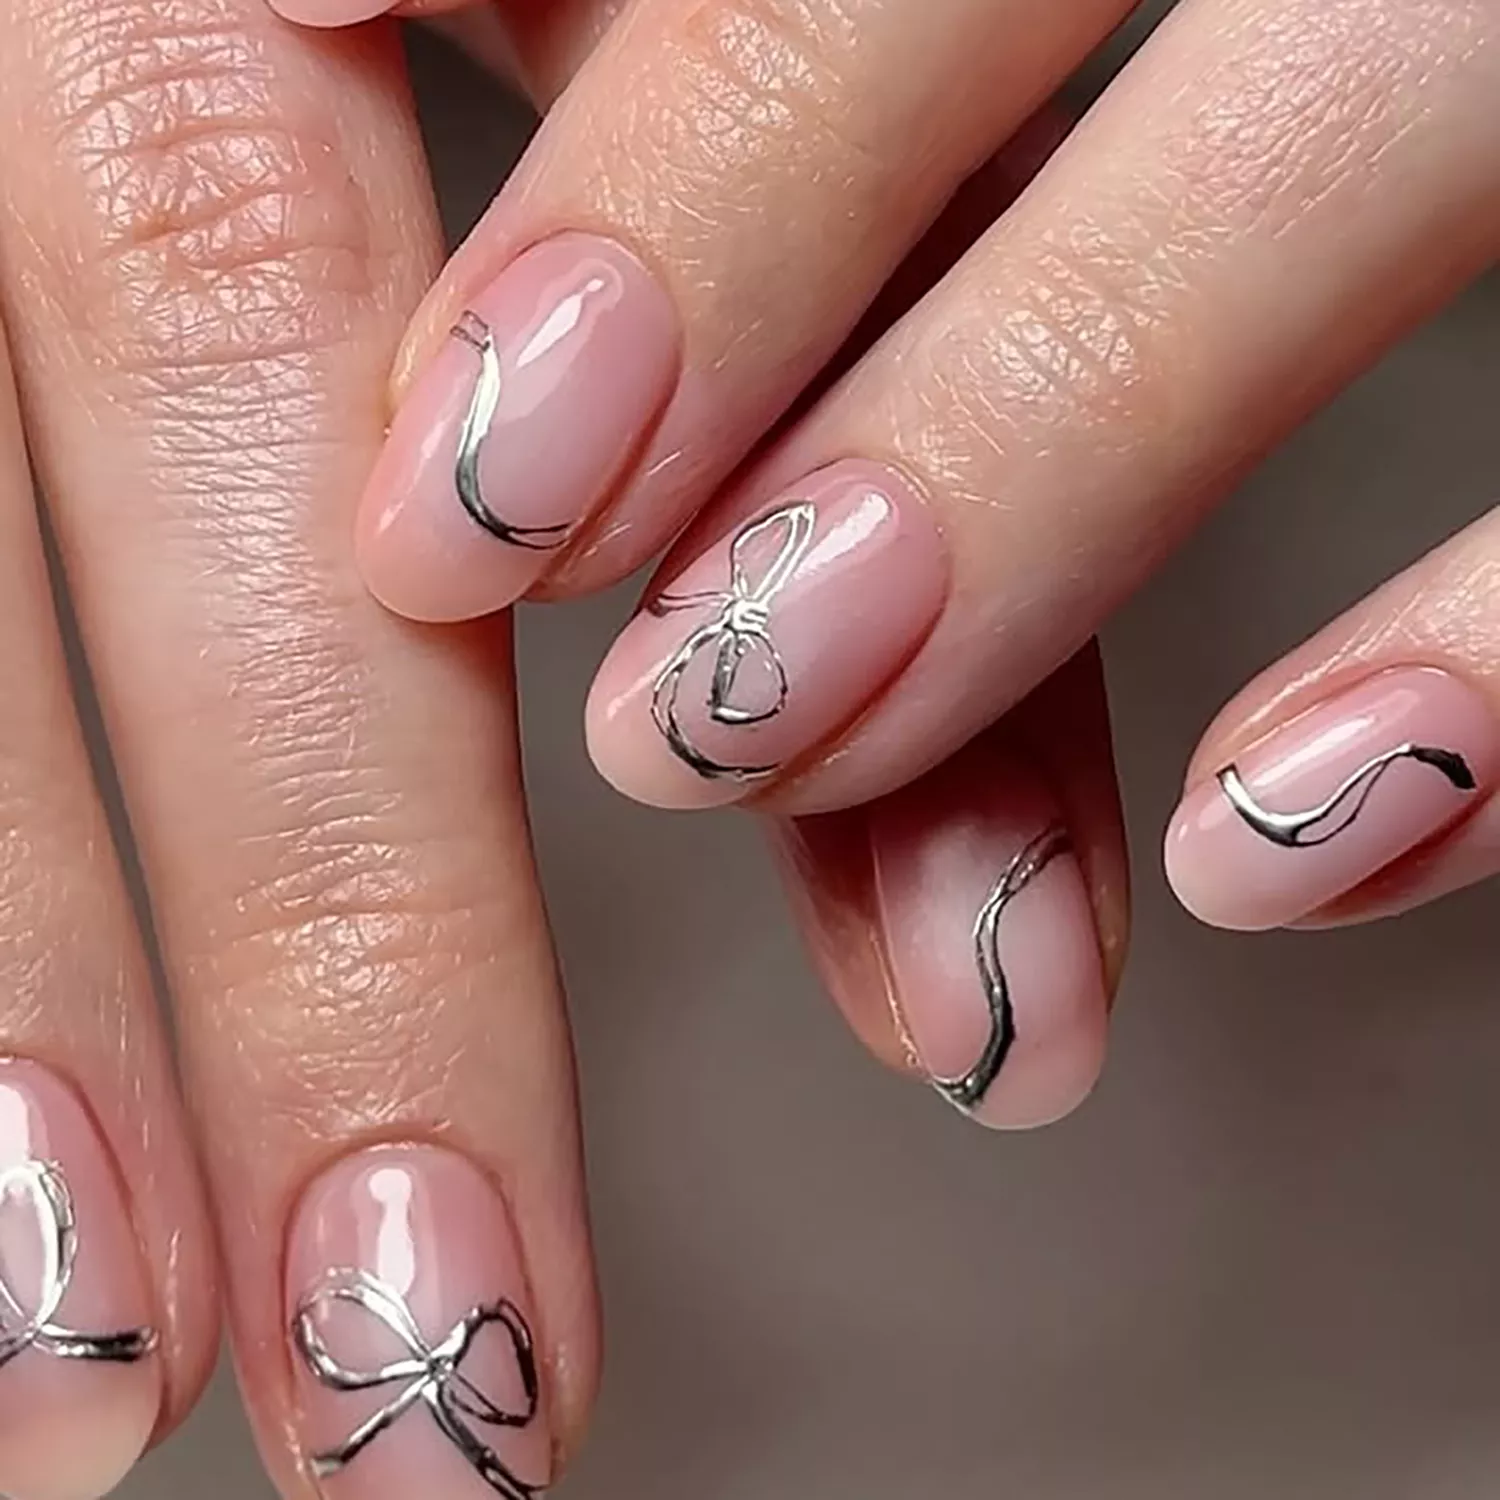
x=992 y=947
x=328 y=14
x=515 y=431
x=80 y=1380
x=771 y=642
x=412 y=1335
x=1324 y=802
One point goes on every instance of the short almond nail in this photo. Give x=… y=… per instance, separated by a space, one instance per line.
x=516 y=429
x=80 y=1380
x=1326 y=801
x=412 y=1334
x=992 y=947
x=327 y=14
x=771 y=642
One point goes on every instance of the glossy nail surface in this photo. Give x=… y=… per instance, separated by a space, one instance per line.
x=326 y=14
x=992 y=948
x=1332 y=797
x=516 y=429
x=80 y=1380
x=771 y=642
x=411 y=1333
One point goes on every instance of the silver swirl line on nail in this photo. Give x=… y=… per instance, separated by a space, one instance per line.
x=738 y=633
x=1317 y=825
x=41 y=1185
x=430 y=1375
x=472 y=330
x=968 y=1092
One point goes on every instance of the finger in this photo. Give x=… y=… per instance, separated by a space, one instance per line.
x=1356 y=777
x=626 y=329
x=972 y=925
x=108 y=1322
x=209 y=276
x=1270 y=194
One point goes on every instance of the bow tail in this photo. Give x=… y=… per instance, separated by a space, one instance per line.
x=477 y=1454
x=331 y=1460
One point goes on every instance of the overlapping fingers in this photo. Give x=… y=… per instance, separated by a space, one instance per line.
x=206 y=274
x=1269 y=194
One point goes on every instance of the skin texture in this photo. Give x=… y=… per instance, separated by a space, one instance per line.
x=205 y=281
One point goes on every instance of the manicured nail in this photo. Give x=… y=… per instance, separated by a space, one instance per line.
x=1321 y=804
x=330 y=13
x=515 y=431
x=412 y=1338
x=771 y=642
x=80 y=1383
x=992 y=949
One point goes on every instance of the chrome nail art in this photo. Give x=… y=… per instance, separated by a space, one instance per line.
x=472 y=330
x=1301 y=830
x=41 y=1184
x=431 y=1375
x=968 y=1092
x=739 y=635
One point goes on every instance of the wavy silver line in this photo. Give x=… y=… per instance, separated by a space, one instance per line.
x=43 y=1185
x=969 y=1091
x=472 y=330
x=430 y=1375
x=1296 y=830
x=739 y=627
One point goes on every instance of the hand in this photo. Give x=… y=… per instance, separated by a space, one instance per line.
x=1272 y=192
x=211 y=234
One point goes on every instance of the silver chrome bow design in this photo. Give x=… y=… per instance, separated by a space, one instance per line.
x=968 y=1092
x=739 y=634
x=1338 y=812
x=472 y=330
x=43 y=1185
x=430 y=1374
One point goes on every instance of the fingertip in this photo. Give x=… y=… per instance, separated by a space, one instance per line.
x=329 y=15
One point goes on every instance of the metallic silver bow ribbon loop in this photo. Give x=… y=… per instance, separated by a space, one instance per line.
x=1325 y=822
x=428 y=1374
x=43 y=1186
x=968 y=1092
x=739 y=635
x=472 y=330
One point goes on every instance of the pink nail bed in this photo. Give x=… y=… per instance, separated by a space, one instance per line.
x=411 y=1333
x=772 y=641
x=80 y=1380
x=1326 y=801
x=515 y=431
x=992 y=947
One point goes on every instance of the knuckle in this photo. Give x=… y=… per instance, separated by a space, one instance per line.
x=194 y=221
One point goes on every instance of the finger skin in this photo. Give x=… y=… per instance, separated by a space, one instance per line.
x=684 y=115
x=214 y=271
x=1439 y=623
x=1273 y=191
x=887 y=896
x=86 y=1083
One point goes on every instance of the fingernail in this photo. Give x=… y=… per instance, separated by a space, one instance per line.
x=80 y=1381
x=324 y=14
x=1326 y=801
x=411 y=1333
x=516 y=429
x=772 y=641
x=990 y=938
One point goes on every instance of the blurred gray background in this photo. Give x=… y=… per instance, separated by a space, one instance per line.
x=1262 y=1262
